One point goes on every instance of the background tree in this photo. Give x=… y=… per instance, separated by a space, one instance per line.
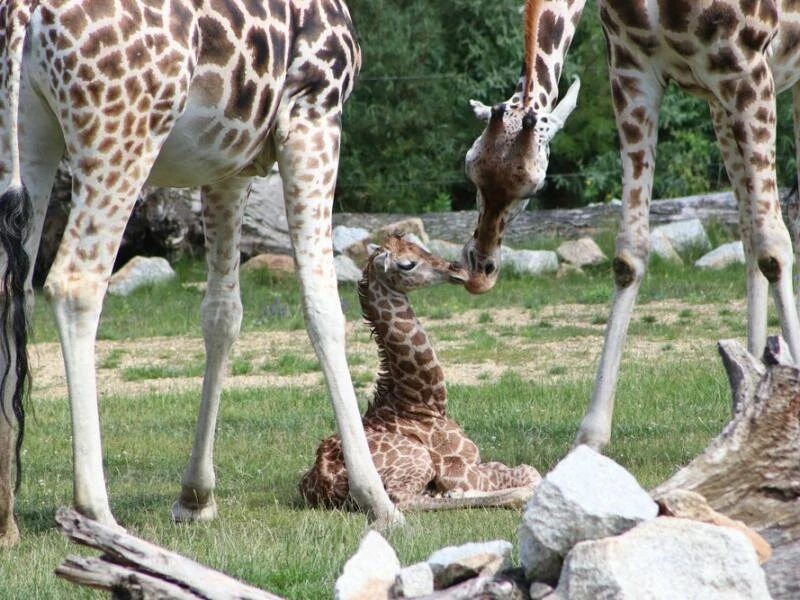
x=408 y=124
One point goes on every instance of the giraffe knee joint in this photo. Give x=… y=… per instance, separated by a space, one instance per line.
x=624 y=272
x=771 y=268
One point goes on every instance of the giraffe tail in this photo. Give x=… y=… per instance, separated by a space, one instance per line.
x=15 y=217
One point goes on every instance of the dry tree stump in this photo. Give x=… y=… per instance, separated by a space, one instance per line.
x=751 y=471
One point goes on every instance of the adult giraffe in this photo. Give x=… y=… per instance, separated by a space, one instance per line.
x=734 y=53
x=176 y=93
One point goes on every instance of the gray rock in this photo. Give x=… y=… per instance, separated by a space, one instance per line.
x=412 y=225
x=529 y=262
x=586 y=496
x=415 y=239
x=447 y=250
x=722 y=256
x=664 y=559
x=457 y=563
x=685 y=235
x=414 y=580
x=370 y=572
x=346 y=270
x=140 y=271
x=662 y=247
x=344 y=236
x=583 y=252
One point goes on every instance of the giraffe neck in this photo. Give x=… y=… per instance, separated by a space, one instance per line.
x=410 y=380
x=555 y=29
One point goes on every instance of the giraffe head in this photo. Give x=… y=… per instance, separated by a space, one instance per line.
x=508 y=162
x=404 y=266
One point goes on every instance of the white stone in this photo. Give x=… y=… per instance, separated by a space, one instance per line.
x=370 y=572
x=457 y=563
x=446 y=250
x=586 y=496
x=346 y=270
x=664 y=559
x=583 y=252
x=685 y=235
x=529 y=262
x=415 y=239
x=412 y=225
x=413 y=580
x=662 y=247
x=343 y=236
x=722 y=256
x=140 y=271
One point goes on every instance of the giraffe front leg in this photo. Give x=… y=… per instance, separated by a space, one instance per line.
x=223 y=207
x=308 y=156
x=636 y=110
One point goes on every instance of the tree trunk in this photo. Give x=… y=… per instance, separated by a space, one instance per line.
x=751 y=471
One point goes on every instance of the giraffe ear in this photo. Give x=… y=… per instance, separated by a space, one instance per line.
x=481 y=111
x=383 y=259
x=558 y=116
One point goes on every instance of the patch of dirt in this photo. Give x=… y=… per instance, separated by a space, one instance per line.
x=152 y=365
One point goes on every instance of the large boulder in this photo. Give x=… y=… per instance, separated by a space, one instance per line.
x=664 y=559
x=370 y=573
x=529 y=262
x=583 y=252
x=453 y=564
x=685 y=235
x=138 y=272
x=722 y=256
x=586 y=496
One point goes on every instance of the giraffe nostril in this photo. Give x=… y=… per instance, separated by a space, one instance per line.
x=489 y=267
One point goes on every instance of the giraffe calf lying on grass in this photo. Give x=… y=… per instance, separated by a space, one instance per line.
x=417 y=450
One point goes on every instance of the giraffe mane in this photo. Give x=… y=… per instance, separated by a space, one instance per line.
x=531 y=23
x=384 y=381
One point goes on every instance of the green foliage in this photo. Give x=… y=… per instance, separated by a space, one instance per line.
x=408 y=124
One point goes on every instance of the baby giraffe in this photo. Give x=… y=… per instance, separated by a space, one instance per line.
x=424 y=459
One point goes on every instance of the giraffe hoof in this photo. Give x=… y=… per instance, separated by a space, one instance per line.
x=10 y=536
x=391 y=520
x=194 y=514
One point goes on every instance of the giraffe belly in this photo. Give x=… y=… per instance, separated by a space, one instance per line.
x=204 y=149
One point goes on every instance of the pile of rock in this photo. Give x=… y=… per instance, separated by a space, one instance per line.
x=590 y=531
x=351 y=247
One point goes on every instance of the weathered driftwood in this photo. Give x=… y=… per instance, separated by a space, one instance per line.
x=133 y=568
x=751 y=471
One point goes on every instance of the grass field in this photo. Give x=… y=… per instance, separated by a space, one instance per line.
x=519 y=361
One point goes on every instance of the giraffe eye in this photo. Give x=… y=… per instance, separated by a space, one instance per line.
x=406 y=265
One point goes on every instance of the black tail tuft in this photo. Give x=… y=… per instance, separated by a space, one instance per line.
x=15 y=217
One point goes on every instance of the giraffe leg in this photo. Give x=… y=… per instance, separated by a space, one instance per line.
x=308 y=165
x=746 y=130
x=40 y=150
x=636 y=111
x=223 y=207
x=75 y=288
x=757 y=284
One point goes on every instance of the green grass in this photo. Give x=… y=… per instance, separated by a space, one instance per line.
x=667 y=410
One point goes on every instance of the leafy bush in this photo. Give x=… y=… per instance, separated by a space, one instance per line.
x=408 y=125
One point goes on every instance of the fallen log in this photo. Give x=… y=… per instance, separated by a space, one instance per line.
x=133 y=568
x=751 y=471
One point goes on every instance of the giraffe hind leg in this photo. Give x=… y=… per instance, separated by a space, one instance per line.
x=223 y=208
